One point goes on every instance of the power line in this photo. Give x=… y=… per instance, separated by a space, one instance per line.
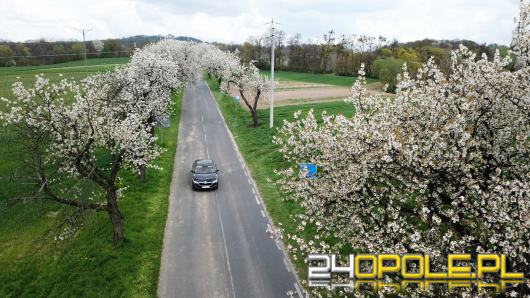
x=84 y=31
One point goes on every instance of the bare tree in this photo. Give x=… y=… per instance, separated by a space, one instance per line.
x=325 y=50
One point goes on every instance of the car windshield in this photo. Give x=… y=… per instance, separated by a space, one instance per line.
x=204 y=169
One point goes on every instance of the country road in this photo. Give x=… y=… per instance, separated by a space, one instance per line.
x=215 y=242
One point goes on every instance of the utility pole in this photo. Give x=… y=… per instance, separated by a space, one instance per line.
x=272 y=75
x=84 y=32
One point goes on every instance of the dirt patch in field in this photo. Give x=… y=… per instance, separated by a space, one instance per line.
x=293 y=93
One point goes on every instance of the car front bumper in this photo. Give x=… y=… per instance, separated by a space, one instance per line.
x=204 y=184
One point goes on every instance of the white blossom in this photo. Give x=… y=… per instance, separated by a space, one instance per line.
x=443 y=167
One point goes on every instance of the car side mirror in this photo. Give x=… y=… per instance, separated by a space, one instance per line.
x=217 y=171
x=192 y=171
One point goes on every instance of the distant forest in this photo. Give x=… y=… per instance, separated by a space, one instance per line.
x=344 y=54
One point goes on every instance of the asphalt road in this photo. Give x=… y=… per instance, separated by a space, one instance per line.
x=215 y=242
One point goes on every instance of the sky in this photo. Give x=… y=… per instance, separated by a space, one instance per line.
x=489 y=21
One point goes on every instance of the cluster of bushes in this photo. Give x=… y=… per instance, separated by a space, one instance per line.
x=390 y=60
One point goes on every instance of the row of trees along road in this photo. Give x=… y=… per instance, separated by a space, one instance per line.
x=82 y=135
x=441 y=168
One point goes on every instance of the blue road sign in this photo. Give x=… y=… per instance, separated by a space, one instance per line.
x=308 y=170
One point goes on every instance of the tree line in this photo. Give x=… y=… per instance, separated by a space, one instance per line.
x=41 y=52
x=45 y=52
x=344 y=54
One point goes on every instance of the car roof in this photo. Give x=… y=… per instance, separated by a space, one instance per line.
x=203 y=162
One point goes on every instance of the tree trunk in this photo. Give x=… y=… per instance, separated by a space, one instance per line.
x=142 y=169
x=254 y=109
x=116 y=218
x=255 y=120
x=141 y=173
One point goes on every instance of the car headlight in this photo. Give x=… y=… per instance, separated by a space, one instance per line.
x=215 y=181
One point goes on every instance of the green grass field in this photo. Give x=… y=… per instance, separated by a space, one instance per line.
x=329 y=79
x=75 y=69
x=262 y=156
x=34 y=264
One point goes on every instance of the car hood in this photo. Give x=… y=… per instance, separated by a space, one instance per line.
x=203 y=177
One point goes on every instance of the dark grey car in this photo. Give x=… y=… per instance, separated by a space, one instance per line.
x=204 y=174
